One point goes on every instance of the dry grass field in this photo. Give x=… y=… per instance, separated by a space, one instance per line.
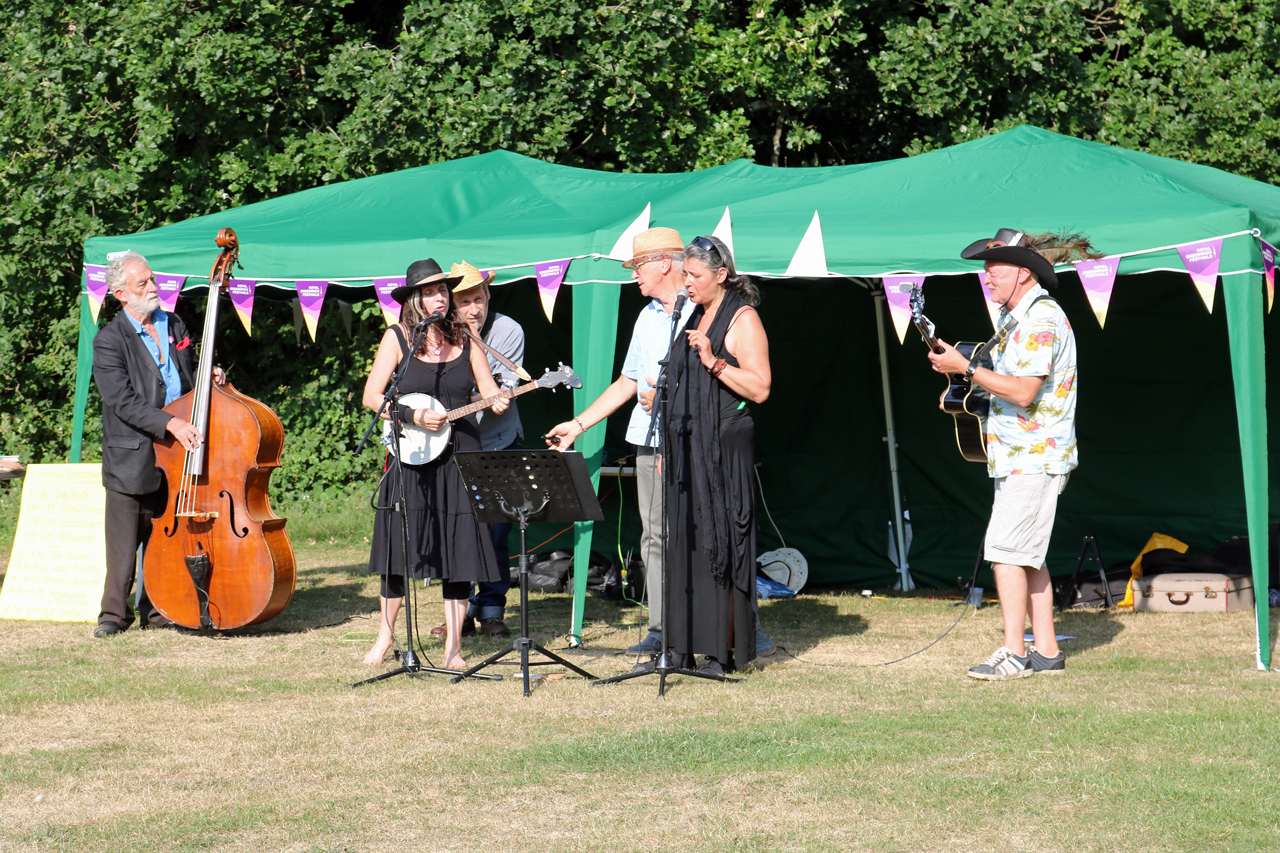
x=1160 y=737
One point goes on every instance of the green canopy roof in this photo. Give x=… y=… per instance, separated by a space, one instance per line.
x=507 y=211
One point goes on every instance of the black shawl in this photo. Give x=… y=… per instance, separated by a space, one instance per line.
x=703 y=393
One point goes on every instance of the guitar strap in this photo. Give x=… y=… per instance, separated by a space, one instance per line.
x=1007 y=328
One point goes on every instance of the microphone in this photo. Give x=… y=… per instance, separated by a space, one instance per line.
x=682 y=296
x=434 y=318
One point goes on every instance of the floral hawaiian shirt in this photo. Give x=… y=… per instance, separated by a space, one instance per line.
x=1040 y=438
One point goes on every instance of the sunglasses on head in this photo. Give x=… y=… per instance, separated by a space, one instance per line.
x=706 y=245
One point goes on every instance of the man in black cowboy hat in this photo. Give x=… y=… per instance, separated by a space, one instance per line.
x=1030 y=438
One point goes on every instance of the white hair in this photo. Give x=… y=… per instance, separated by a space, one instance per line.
x=115 y=269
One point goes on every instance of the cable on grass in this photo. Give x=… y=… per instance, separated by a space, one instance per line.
x=963 y=611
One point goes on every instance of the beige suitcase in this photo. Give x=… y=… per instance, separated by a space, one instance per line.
x=1187 y=592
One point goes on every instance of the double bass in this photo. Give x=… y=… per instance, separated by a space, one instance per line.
x=219 y=558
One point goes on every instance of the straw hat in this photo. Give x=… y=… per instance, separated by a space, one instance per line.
x=420 y=274
x=655 y=241
x=469 y=277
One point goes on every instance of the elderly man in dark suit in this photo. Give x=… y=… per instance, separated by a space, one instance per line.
x=142 y=361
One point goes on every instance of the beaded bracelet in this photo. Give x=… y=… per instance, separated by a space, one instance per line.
x=579 y=423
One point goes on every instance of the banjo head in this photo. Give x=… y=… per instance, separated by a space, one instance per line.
x=417 y=445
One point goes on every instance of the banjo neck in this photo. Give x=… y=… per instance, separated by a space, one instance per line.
x=463 y=411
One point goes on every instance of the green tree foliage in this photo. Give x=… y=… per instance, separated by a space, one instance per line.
x=1192 y=79
x=128 y=116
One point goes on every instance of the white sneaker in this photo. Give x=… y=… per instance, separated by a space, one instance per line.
x=1002 y=665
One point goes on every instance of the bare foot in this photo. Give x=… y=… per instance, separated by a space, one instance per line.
x=456 y=662
x=377 y=653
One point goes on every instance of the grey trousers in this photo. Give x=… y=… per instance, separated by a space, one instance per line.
x=649 y=494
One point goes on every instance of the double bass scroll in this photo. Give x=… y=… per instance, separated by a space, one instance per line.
x=219 y=558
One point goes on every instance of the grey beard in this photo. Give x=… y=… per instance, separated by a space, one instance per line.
x=143 y=305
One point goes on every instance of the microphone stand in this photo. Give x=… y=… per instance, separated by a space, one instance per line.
x=409 y=663
x=663 y=664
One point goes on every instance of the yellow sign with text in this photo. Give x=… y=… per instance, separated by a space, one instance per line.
x=59 y=558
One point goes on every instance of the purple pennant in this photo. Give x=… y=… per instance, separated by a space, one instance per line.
x=550 y=276
x=1269 y=270
x=1098 y=278
x=169 y=287
x=897 y=289
x=993 y=307
x=241 y=292
x=390 y=308
x=95 y=284
x=1201 y=260
x=311 y=298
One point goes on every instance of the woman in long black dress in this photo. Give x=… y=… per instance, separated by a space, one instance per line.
x=721 y=365
x=445 y=540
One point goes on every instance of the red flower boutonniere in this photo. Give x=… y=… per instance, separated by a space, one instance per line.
x=184 y=343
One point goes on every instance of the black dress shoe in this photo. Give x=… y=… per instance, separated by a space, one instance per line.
x=494 y=628
x=107 y=629
x=171 y=626
x=468 y=626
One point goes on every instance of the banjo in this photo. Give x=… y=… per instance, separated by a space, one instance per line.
x=419 y=446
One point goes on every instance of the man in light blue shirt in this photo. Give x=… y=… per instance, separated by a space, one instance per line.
x=657 y=265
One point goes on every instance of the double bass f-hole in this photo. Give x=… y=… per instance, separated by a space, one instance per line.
x=231 y=511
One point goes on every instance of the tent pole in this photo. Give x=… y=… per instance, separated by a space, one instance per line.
x=904 y=568
x=1245 y=302
x=84 y=370
x=595 y=333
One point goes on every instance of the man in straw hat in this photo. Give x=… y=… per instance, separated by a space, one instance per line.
x=657 y=265
x=497 y=432
x=1030 y=436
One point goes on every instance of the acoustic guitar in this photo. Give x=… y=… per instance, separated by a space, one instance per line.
x=966 y=402
x=419 y=446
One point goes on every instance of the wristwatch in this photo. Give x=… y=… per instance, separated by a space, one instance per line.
x=970 y=370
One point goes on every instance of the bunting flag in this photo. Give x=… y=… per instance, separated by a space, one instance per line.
x=897 y=289
x=810 y=259
x=1098 y=278
x=725 y=232
x=95 y=284
x=390 y=308
x=311 y=299
x=993 y=307
x=241 y=292
x=550 y=276
x=1269 y=271
x=169 y=287
x=1201 y=260
x=622 y=249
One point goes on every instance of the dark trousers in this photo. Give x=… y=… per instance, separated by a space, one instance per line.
x=128 y=523
x=490 y=598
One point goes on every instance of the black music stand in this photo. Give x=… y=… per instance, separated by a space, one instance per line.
x=527 y=485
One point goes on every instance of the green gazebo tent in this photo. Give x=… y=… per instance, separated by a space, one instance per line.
x=821 y=233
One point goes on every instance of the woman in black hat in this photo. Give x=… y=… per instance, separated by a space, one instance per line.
x=445 y=540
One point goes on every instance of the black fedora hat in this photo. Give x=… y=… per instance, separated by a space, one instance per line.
x=420 y=274
x=1007 y=247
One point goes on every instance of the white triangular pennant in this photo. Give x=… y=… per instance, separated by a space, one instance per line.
x=725 y=232
x=993 y=308
x=810 y=259
x=622 y=249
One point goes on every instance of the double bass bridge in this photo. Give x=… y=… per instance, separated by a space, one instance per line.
x=199 y=516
